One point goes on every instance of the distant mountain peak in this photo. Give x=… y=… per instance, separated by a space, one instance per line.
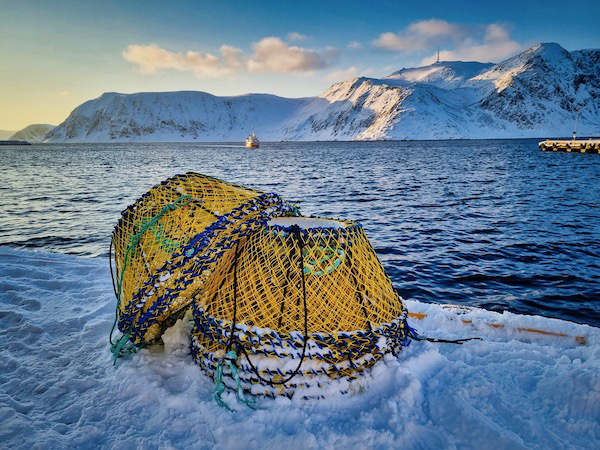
x=444 y=74
x=33 y=133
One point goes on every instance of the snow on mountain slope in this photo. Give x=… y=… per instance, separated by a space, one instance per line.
x=537 y=93
x=367 y=108
x=446 y=74
x=175 y=116
x=544 y=86
x=33 y=133
x=349 y=110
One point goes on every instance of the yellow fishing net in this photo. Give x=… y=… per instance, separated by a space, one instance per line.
x=300 y=301
x=167 y=242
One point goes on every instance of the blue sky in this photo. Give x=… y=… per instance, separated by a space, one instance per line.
x=56 y=55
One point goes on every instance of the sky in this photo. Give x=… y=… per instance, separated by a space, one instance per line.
x=54 y=55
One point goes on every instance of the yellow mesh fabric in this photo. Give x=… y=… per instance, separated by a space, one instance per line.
x=352 y=316
x=166 y=243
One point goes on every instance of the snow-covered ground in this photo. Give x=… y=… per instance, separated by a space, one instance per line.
x=59 y=389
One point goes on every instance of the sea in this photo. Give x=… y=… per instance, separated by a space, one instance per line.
x=495 y=224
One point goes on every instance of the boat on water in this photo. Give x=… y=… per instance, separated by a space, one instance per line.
x=252 y=141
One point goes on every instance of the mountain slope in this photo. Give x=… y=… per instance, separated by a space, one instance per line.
x=33 y=133
x=446 y=74
x=537 y=93
x=544 y=85
x=175 y=116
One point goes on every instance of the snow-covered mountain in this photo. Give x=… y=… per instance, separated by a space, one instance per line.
x=446 y=74
x=537 y=93
x=176 y=116
x=33 y=133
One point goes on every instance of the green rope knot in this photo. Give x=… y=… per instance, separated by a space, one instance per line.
x=122 y=347
x=230 y=358
x=327 y=254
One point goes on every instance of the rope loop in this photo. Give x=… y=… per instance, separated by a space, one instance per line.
x=230 y=359
x=122 y=347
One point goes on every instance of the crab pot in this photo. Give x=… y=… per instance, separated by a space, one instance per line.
x=303 y=302
x=169 y=240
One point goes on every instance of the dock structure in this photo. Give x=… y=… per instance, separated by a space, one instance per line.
x=571 y=145
x=13 y=142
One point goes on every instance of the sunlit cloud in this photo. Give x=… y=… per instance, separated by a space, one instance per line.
x=419 y=36
x=270 y=54
x=343 y=74
x=491 y=42
x=351 y=72
x=296 y=37
x=152 y=58
x=496 y=46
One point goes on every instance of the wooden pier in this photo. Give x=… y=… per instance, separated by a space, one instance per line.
x=571 y=146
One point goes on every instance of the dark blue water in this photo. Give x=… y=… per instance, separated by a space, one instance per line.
x=494 y=224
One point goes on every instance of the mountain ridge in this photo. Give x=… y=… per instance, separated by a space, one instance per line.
x=33 y=133
x=533 y=94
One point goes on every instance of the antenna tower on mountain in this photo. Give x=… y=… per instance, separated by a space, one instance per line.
x=438 y=55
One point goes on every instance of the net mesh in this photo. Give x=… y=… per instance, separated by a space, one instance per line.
x=167 y=242
x=306 y=304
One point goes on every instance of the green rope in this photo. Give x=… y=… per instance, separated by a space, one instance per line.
x=121 y=347
x=329 y=254
x=230 y=358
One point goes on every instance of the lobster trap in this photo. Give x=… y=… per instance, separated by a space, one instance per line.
x=169 y=241
x=296 y=304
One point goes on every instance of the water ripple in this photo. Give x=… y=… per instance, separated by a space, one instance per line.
x=495 y=224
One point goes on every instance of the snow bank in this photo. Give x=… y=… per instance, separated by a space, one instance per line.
x=58 y=387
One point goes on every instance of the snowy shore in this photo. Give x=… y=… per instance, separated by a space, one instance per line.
x=58 y=388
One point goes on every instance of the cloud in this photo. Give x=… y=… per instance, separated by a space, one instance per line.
x=152 y=58
x=270 y=54
x=343 y=74
x=490 y=42
x=296 y=37
x=352 y=72
x=496 y=46
x=419 y=36
x=354 y=45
